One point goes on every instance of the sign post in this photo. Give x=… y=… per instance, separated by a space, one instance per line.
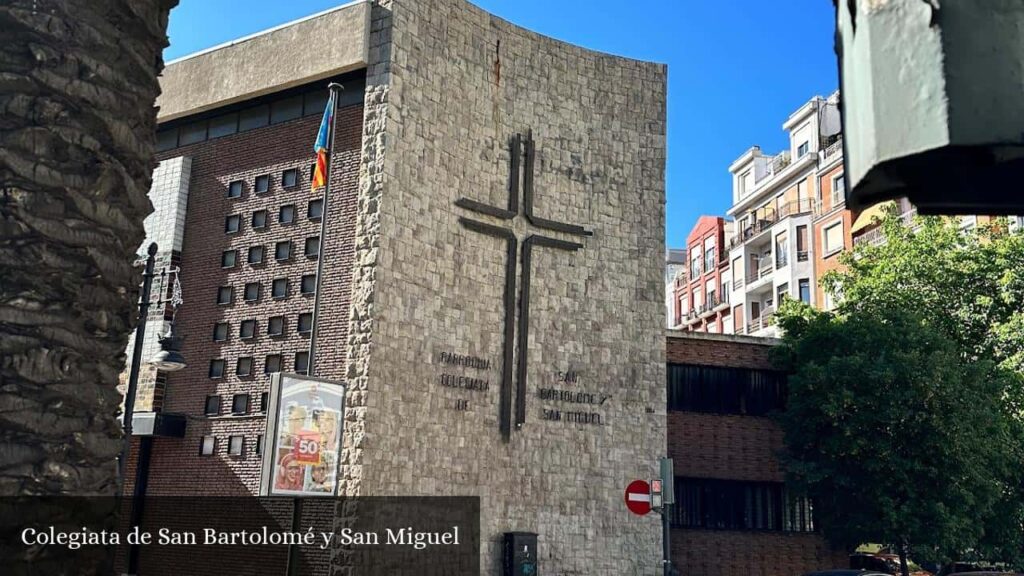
x=666 y=498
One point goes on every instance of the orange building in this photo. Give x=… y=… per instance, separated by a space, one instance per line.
x=702 y=289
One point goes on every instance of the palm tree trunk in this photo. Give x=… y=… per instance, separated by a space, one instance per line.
x=78 y=80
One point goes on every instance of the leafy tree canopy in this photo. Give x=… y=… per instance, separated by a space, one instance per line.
x=904 y=414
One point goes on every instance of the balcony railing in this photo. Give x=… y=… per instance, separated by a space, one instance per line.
x=833 y=146
x=781 y=260
x=876 y=235
x=738 y=283
x=764 y=268
x=802 y=256
x=776 y=164
x=769 y=217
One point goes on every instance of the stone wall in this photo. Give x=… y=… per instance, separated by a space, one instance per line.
x=447 y=86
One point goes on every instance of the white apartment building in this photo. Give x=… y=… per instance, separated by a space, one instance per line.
x=675 y=264
x=775 y=198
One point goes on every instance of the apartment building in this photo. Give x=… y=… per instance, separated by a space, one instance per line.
x=702 y=290
x=675 y=264
x=790 y=218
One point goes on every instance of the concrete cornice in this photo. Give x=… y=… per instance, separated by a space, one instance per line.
x=717 y=337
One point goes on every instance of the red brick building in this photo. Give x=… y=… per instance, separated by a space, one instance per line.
x=702 y=290
x=733 y=514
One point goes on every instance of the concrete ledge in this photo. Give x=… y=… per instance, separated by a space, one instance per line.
x=683 y=335
x=318 y=46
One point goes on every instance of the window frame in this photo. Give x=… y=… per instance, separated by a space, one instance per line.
x=294 y=172
x=244 y=409
x=231 y=295
x=247 y=323
x=266 y=220
x=232 y=439
x=287 y=245
x=309 y=209
x=273 y=289
x=826 y=251
x=243 y=360
x=237 y=219
x=258 y=287
x=213 y=398
x=224 y=257
x=281 y=211
x=298 y=323
x=270 y=326
x=218 y=362
x=306 y=244
x=234 y=185
x=212 y=445
x=262 y=178
x=219 y=327
x=257 y=249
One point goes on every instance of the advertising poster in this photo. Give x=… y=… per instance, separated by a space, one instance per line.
x=307 y=437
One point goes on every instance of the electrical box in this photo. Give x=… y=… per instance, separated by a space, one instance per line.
x=520 y=554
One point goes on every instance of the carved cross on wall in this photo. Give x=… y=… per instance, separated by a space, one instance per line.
x=522 y=154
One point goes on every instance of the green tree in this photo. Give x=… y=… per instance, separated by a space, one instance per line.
x=904 y=420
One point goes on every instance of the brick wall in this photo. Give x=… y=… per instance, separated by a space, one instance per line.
x=733 y=447
x=177 y=468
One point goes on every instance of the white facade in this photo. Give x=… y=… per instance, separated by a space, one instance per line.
x=771 y=249
x=675 y=263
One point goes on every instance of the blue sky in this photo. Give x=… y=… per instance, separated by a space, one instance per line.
x=737 y=68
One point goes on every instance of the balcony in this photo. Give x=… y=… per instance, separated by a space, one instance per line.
x=764 y=320
x=833 y=147
x=776 y=164
x=876 y=235
x=781 y=260
x=771 y=216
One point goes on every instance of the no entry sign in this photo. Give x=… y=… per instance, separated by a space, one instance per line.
x=638 y=497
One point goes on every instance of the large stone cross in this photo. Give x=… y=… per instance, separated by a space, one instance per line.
x=522 y=153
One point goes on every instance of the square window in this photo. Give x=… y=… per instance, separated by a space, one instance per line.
x=207 y=445
x=313 y=246
x=280 y=288
x=253 y=117
x=235 y=189
x=275 y=326
x=283 y=250
x=240 y=404
x=220 y=331
x=273 y=364
x=244 y=366
x=225 y=295
x=235 y=445
x=229 y=258
x=264 y=402
x=301 y=362
x=833 y=238
x=259 y=219
x=309 y=284
x=232 y=224
x=212 y=406
x=255 y=254
x=217 y=368
x=247 y=329
x=802 y=150
x=286 y=215
x=259 y=444
x=305 y=325
x=312 y=171
x=252 y=291
x=289 y=178
x=263 y=183
x=316 y=209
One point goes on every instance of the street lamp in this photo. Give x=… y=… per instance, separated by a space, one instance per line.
x=169 y=358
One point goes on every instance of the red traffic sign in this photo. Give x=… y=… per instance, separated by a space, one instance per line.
x=638 y=497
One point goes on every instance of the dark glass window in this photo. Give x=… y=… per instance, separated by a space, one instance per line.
x=711 y=504
x=805 y=290
x=259 y=219
x=229 y=258
x=225 y=294
x=313 y=246
x=207 y=445
x=255 y=254
x=273 y=364
x=223 y=125
x=220 y=331
x=286 y=215
x=253 y=118
x=289 y=178
x=262 y=183
x=275 y=326
x=235 y=189
x=305 y=324
x=166 y=139
x=259 y=444
x=316 y=209
x=301 y=362
x=252 y=291
x=240 y=404
x=264 y=402
x=217 y=368
x=283 y=250
x=232 y=224
x=286 y=109
x=247 y=329
x=280 y=288
x=212 y=406
x=716 y=390
x=315 y=102
x=309 y=284
x=192 y=133
x=244 y=366
x=236 y=445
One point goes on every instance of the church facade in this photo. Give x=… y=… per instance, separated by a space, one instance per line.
x=490 y=269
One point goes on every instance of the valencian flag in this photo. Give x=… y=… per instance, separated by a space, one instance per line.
x=322 y=145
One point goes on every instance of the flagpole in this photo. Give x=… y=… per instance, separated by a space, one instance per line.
x=334 y=89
